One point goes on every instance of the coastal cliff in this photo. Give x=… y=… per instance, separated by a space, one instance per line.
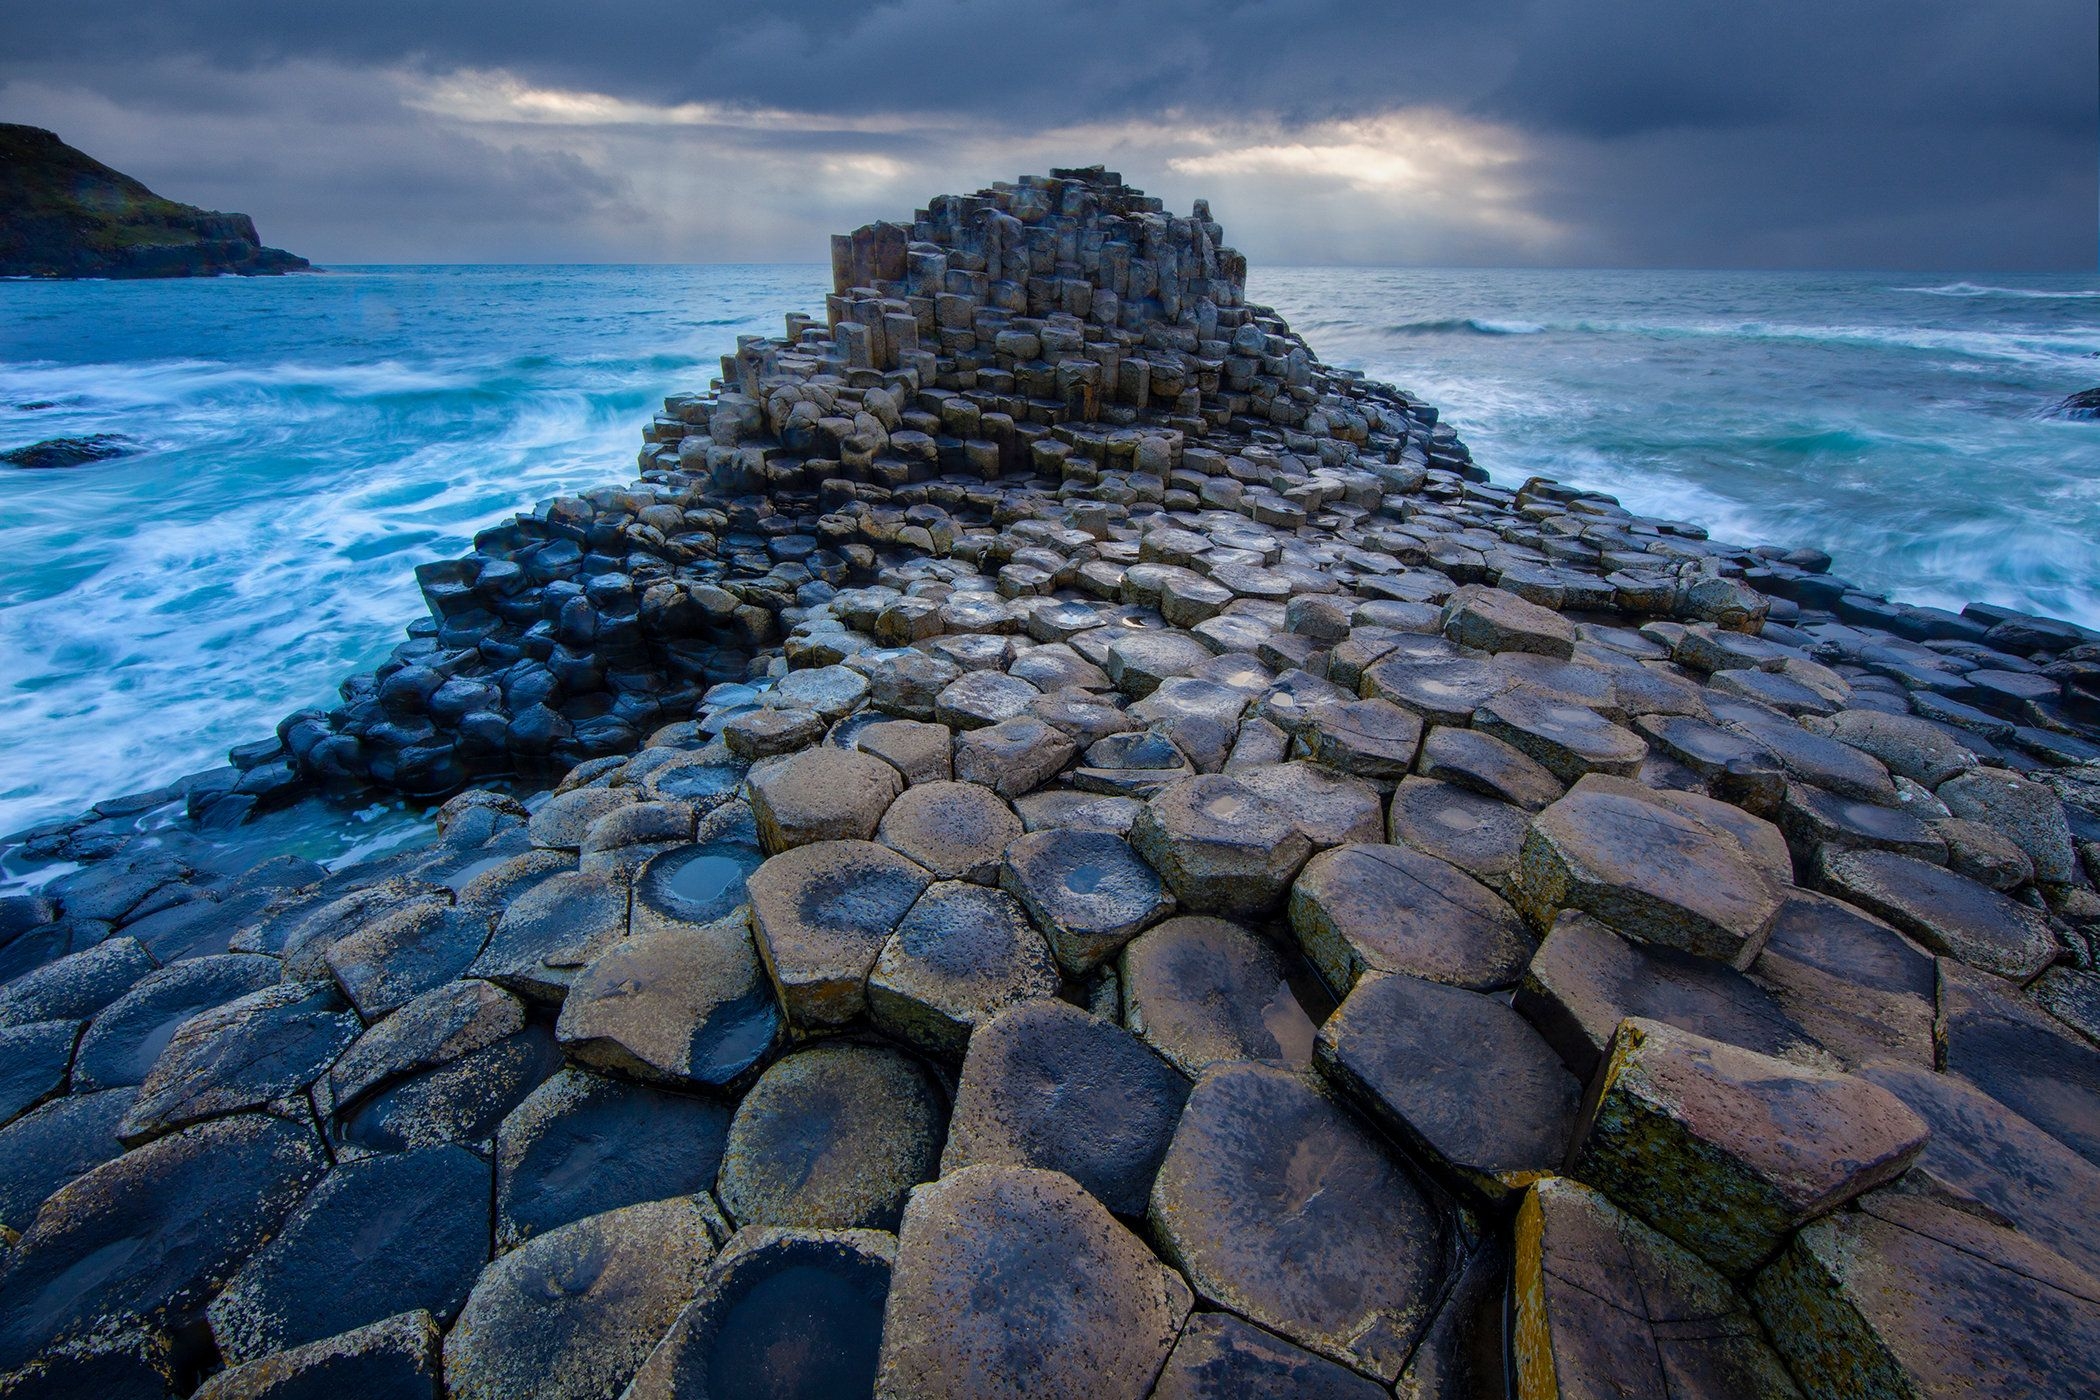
x=1053 y=843
x=65 y=214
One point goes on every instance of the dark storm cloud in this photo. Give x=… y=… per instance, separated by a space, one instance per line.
x=1784 y=132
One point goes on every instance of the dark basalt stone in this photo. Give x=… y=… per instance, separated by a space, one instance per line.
x=1014 y=1281
x=76 y=986
x=1088 y=891
x=396 y=1359
x=1908 y=1296
x=1586 y=979
x=572 y=1314
x=822 y=914
x=1606 y=1306
x=832 y=1138
x=581 y=1143
x=553 y=929
x=1202 y=991
x=463 y=1100
x=54 y=453
x=1946 y=912
x=1458 y=1076
x=961 y=956
x=1279 y=1206
x=198 y=928
x=1379 y=908
x=33 y=1063
x=677 y=1004
x=252 y=1052
x=129 y=1034
x=1220 y=1357
x=436 y=1028
x=388 y=963
x=149 y=1238
x=2020 y=1056
x=1984 y=1150
x=2085 y=404
x=790 y=1313
x=1047 y=1085
x=1861 y=989
x=49 y=1146
x=398 y=1233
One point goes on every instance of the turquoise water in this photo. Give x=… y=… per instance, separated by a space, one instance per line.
x=309 y=439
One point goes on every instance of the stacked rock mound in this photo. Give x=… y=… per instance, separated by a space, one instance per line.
x=1145 y=876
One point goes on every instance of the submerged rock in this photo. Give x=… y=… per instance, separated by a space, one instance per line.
x=54 y=453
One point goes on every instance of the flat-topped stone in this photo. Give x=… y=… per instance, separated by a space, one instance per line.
x=822 y=914
x=1493 y=619
x=1202 y=991
x=780 y=1312
x=1728 y=1151
x=397 y=1233
x=582 y=1143
x=1220 y=846
x=1458 y=1076
x=1281 y=1208
x=2019 y=1055
x=1651 y=870
x=821 y=794
x=959 y=831
x=1480 y=835
x=147 y=1239
x=1219 y=1357
x=1481 y=763
x=1946 y=912
x=1983 y=1150
x=1381 y=908
x=1608 y=1309
x=677 y=1005
x=1567 y=739
x=551 y=930
x=253 y=1051
x=1013 y=1281
x=1047 y=1085
x=1331 y=808
x=1857 y=986
x=1906 y=1296
x=572 y=1314
x=832 y=1138
x=1088 y=891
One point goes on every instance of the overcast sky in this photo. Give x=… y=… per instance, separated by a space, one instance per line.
x=1955 y=135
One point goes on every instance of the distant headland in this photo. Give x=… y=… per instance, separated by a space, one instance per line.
x=65 y=214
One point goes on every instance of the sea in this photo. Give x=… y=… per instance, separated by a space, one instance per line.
x=303 y=442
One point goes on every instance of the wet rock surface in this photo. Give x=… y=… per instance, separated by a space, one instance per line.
x=1038 y=682
x=781 y=1312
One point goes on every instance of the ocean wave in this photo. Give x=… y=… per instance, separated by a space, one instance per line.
x=1473 y=325
x=1974 y=289
x=147 y=383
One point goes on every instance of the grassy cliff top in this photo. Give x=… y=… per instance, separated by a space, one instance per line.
x=65 y=214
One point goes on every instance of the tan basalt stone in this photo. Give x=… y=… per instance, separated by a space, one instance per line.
x=1649 y=870
x=1012 y=1282
x=1280 y=1207
x=1608 y=1309
x=1728 y=1151
x=1379 y=908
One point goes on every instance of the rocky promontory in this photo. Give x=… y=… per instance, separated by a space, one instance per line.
x=65 y=214
x=1054 y=844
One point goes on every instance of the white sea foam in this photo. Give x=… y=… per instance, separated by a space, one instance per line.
x=1972 y=289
